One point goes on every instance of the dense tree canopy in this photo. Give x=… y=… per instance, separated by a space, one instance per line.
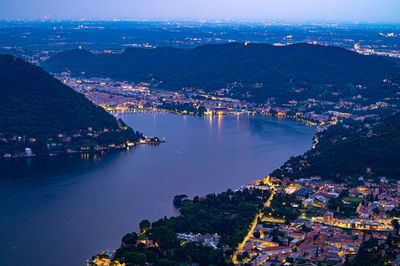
x=227 y=214
x=35 y=105
x=262 y=69
x=32 y=102
x=350 y=149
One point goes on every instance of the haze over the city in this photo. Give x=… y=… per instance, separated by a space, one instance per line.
x=365 y=11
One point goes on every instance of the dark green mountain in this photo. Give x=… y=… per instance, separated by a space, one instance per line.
x=33 y=102
x=35 y=105
x=263 y=70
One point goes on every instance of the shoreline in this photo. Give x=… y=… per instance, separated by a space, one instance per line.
x=110 y=149
x=240 y=188
x=248 y=113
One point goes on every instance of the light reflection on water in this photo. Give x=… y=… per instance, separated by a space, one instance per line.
x=71 y=207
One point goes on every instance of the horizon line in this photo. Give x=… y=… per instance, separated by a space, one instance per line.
x=206 y=21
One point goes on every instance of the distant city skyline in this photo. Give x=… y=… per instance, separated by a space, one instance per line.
x=340 y=11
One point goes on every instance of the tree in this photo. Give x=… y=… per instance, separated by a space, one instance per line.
x=135 y=258
x=140 y=259
x=396 y=226
x=152 y=257
x=178 y=200
x=290 y=259
x=130 y=239
x=163 y=236
x=144 y=225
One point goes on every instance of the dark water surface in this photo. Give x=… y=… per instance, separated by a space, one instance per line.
x=62 y=210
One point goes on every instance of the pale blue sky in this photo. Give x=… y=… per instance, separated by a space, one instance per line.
x=292 y=10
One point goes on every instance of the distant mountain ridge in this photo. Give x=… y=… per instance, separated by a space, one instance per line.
x=262 y=69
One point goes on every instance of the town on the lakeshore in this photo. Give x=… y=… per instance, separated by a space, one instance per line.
x=118 y=97
x=317 y=235
x=298 y=222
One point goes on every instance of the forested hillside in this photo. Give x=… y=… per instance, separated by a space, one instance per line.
x=33 y=102
x=352 y=149
x=37 y=108
x=258 y=71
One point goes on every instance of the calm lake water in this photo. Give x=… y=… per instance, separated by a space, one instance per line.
x=62 y=210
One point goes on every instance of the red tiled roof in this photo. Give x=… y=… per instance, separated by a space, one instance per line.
x=275 y=248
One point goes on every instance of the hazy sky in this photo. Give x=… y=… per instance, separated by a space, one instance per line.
x=292 y=10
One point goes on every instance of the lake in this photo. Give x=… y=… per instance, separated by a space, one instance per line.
x=61 y=210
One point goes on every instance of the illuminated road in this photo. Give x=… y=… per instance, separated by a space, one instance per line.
x=254 y=223
x=315 y=143
x=246 y=238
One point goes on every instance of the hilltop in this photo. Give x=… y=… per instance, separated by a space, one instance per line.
x=254 y=71
x=37 y=109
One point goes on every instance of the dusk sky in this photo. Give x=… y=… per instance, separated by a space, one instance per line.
x=380 y=11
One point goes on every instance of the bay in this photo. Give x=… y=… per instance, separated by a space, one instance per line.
x=61 y=210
